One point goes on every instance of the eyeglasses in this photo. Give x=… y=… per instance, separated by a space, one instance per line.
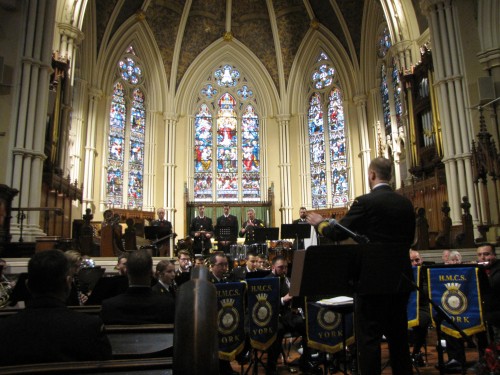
x=485 y=254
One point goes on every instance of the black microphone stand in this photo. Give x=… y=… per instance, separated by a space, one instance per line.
x=359 y=238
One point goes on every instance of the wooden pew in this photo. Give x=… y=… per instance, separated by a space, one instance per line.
x=117 y=366
x=141 y=341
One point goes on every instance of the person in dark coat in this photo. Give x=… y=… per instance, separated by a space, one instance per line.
x=201 y=230
x=47 y=331
x=165 y=274
x=231 y=221
x=384 y=217
x=139 y=305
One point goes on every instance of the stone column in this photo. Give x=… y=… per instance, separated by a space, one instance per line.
x=451 y=88
x=364 y=141
x=285 y=179
x=28 y=127
x=95 y=96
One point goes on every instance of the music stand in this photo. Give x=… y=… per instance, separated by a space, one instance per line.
x=297 y=231
x=263 y=235
x=223 y=233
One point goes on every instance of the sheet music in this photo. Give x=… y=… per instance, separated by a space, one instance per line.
x=336 y=301
x=312 y=240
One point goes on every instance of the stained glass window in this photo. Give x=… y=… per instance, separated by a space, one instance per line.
x=126 y=140
x=327 y=142
x=251 y=155
x=136 y=160
x=338 y=157
x=230 y=132
x=384 y=92
x=317 y=152
x=203 y=145
x=384 y=43
x=396 y=89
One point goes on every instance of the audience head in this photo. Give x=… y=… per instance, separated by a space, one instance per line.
x=75 y=260
x=49 y=274
x=165 y=271
x=140 y=267
x=184 y=260
x=380 y=170
x=415 y=258
x=486 y=253
x=252 y=261
x=445 y=256
x=280 y=266
x=218 y=264
x=121 y=264
x=455 y=257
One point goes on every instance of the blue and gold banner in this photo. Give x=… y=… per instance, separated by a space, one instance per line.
x=456 y=290
x=324 y=327
x=263 y=307
x=413 y=302
x=230 y=319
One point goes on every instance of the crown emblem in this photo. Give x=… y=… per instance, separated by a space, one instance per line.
x=227 y=302
x=261 y=297
x=452 y=287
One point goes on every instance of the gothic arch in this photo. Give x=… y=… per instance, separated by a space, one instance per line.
x=222 y=52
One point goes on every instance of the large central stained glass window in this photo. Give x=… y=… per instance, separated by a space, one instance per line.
x=127 y=125
x=227 y=140
x=327 y=140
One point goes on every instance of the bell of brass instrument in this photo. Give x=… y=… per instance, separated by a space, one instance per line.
x=5 y=292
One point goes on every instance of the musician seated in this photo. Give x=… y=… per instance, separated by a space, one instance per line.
x=183 y=273
x=138 y=305
x=165 y=274
x=199 y=261
x=251 y=265
x=290 y=320
x=263 y=262
x=47 y=331
x=219 y=266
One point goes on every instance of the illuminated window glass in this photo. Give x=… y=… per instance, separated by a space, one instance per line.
x=384 y=43
x=227 y=132
x=127 y=126
x=384 y=92
x=327 y=141
x=396 y=90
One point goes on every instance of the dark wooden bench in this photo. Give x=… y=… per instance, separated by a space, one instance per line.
x=141 y=341
x=155 y=366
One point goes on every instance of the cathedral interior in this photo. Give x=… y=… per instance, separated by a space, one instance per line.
x=135 y=105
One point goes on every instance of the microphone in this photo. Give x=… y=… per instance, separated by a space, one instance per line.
x=359 y=238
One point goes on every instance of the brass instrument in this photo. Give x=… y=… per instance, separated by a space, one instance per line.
x=5 y=292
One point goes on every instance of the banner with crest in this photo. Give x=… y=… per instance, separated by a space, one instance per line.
x=324 y=326
x=230 y=319
x=414 y=300
x=456 y=290
x=263 y=308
